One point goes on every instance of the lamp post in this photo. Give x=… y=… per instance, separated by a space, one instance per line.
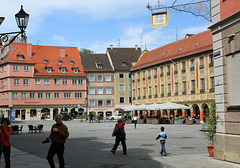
x=22 y=20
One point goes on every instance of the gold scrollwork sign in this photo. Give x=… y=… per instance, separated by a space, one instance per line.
x=159 y=20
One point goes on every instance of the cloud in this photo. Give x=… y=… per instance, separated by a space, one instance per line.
x=61 y=39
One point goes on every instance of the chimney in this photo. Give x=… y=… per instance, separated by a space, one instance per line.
x=111 y=46
x=136 y=47
x=29 y=50
x=62 y=52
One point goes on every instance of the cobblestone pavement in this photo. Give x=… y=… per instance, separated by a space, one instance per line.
x=89 y=146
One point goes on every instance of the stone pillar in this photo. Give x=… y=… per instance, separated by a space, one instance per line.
x=175 y=113
x=149 y=113
x=183 y=113
x=162 y=113
x=168 y=114
x=138 y=113
x=155 y=113
x=192 y=113
x=144 y=114
x=201 y=115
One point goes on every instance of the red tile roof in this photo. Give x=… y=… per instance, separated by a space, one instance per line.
x=194 y=44
x=51 y=54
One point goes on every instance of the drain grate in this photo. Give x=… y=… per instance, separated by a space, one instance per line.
x=189 y=147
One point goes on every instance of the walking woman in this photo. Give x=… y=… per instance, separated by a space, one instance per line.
x=5 y=132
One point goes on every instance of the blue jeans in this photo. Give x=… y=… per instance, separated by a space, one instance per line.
x=163 y=147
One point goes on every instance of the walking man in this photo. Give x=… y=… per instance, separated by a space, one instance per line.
x=58 y=136
x=163 y=136
x=120 y=134
x=135 y=118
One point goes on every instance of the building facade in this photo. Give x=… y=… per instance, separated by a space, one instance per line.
x=180 y=72
x=121 y=60
x=100 y=84
x=226 y=51
x=40 y=81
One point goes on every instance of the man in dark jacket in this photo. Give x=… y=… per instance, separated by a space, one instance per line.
x=120 y=134
x=58 y=136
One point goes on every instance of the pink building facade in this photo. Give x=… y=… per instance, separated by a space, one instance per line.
x=40 y=81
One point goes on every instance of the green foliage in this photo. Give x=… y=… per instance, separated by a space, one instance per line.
x=94 y=114
x=210 y=124
x=85 y=51
x=84 y=115
x=176 y=118
x=180 y=117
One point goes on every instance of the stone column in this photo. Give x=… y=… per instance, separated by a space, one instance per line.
x=138 y=113
x=149 y=113
x=155 y=113
x=175 y=113
x=162 y=113
x=192 y=113
x=183 y=113
x=168 y=114
x=201 y=115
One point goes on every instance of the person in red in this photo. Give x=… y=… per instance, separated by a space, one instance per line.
x=120 y=134
x=5 y=132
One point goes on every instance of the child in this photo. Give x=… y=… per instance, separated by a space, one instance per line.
x=163 y=136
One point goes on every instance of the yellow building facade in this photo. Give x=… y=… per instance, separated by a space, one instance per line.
x=187 y=80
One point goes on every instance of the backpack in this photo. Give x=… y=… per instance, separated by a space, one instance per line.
x=120 y=129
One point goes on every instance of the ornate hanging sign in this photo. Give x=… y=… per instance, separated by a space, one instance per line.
x=159 y=20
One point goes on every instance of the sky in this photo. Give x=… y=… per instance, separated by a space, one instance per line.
x=97 y=24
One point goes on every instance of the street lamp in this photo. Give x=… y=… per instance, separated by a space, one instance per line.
x=22 y=21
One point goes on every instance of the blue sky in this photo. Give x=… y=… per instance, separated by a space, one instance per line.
x=95 y=24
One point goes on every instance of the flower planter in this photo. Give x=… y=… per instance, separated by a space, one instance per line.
x=155 y=121
x=140 y=121
x=129 y=121
x=149 y=121
x=210 y=150
x=179 y=121
x=81 y=120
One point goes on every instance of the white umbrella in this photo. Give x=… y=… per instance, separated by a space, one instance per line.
x=154 y=106
x=173 y=106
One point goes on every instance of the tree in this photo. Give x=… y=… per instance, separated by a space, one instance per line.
x=85 y=51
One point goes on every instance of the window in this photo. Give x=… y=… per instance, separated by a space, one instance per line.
x=201 y=60
x=5 y=68
x=193 y=84
x=150 y=90
x=64 y=81
x=155 y=71
x=134 y=93
x=63 y=70
x=15 y=96
x=75 y=70
x=212 y=82
x=91 y=90
x=78 y=95
x=176 y=67
x=130 y=100
x=121 y=87
x=99 y=90
x=56 y=81
x=46 y=81
x=133 y=76
x=26 y=82
x=109 y=102
x=100 y=78
x=108 y=78
x=129 y=87
x=121 y=99
x=16 y=82
x=162 y=89
x=139 y=93
x=162 y=71
x=5 y=82
x=23 y=96
x=176 y=87
x=92 y=103
x=37 y=81
x=48 y=95
x=124 y=64
x=129 y=75
x=49 y=69
x=40 y=95
x=156 y=90
x=100 y=103
x=77 y=81
x=211 y=58
x=184 y=65
x=57 y=95
x=168 y=68
x=26 y=68
x=108 y=90
x=202 y=83
x=149 y=73
x=31 y=95
x=192 y=62
x=169 y=88
x=143 y=74
x=144 y=92
x=138 y=76
x=99 y=65
x=15 y=67
x=7 y=97
x=121 y=75
x=3 y=96
x=91 y=78
x=184 y=86
x=67 y=95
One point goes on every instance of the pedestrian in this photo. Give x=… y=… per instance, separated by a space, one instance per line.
x=163 y=136
x=135 y=118
x=98 y=118
x=91 y=118
x=120 y=134
x=5 y=146
x=58 y=136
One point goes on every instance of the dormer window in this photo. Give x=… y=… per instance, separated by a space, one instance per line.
x=197 y=44
x=71 y=62
x=99 y=65
x=180 y=49
x=164 y=54
x=124 y=64
x=75 y=70
x=60 y=62
x=63 y=70
x=45 y=61
x=20 y=57
x=49 y=69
